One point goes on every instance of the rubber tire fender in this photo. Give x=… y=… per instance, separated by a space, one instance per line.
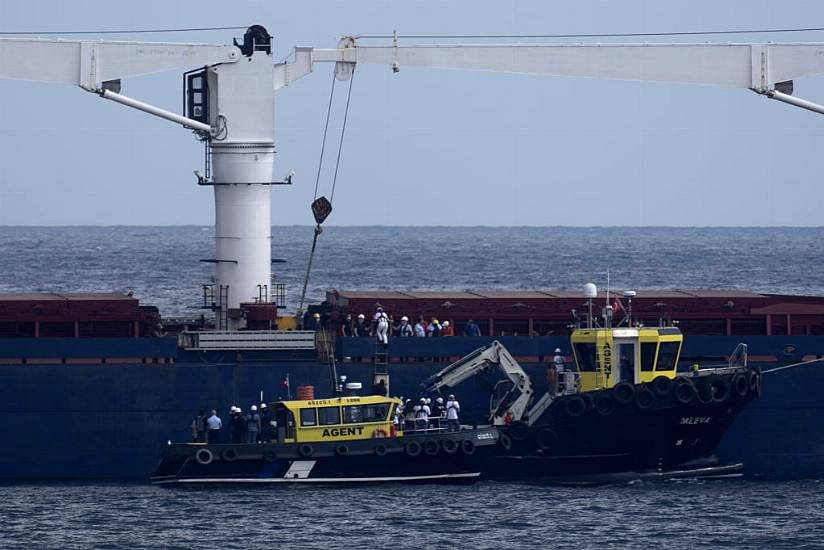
x=204 y=457
x=504 y=440
x=604 y=405
x=380 y=449
x=413 y=448
x=684 y=391
x=270 y=456
x=661 y=386
x=720 y=388
x=623 y=393
x=431 y=447
x=229 y=455
x=573 y=406
x=547 y=439
x=740 y=385
x=306 y=450
x=341 y=450
x=518 y=431
x=450 y=446
x=703 y=391
x=644 y=398
x=468 y=447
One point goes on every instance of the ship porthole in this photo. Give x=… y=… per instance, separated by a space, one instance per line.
x=413 y=448
x=305 y=450
x=204 y=457
x=229 y=455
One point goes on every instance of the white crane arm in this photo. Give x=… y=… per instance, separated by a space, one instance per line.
x=480 y=360
x=88 y=63
x=754 y=66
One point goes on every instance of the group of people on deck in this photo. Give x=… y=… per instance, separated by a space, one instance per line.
x=254 y=427
x=427 y=414
x=383 y=326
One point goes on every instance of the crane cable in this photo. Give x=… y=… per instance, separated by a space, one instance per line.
x=318 y=229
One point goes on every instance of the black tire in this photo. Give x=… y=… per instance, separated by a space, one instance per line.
x=229 y=455
x=740 y=386
x=644 y=398
x=306 y=450
x=413 y=448
x=720 y=388
x=661 y=386
x=573 y=406
x=547 y=439
x=504 y=440
x=431 y=447
x=204 y=457
x=270 y=456
x=468 y=447
x=450 y=446
x=341 y=450
x=518 y=431
x=380 y=449
x=684 y=391
x=703 y=391
x=604 y=405
x=589 y=401
x=752 y=380
x=623 y=393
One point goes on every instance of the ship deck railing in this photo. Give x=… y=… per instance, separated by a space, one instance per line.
x=247 y=340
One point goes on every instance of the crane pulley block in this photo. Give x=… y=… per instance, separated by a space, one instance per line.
x=321 y=208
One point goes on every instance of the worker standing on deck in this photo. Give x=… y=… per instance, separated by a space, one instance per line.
x=252 y=425
x=360 y=326
x=446 y=329
x=434 y=328
x=265 y=426
x=559 y=364
x=238 y=426
x=382 y=326
x=437 y=412
x=346 y=326
x=421 y=415
x=453 y=409
x=404 y=329
x=199 y=428
x=214 y=424
x=472 y=329
x=420 y=328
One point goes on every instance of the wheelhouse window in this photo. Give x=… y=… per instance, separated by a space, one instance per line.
x=667 y=355
x=648 y=356
x=365 y=413
x=586 y=355
x=328 y=416
x=353 y=414
x=308 y=417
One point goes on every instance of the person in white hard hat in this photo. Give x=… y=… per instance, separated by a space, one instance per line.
x=421 y=415
x=360 y=326
x=437 y=412
x=405 y=329
x=453 y=409
x=559 y=364
x=237 y=425
x=265 y=424
x=252 y=425
x=381 y=326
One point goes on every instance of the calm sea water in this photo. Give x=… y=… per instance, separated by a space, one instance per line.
x=160 y=265
x=709 y=514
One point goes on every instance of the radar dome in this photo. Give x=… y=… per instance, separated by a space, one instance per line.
x=590 y=291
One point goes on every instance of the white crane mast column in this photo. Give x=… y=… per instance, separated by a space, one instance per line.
x=243 y=154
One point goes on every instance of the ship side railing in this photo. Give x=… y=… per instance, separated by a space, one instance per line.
x=247 y=340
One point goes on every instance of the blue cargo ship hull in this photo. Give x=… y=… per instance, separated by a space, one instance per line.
x=93 y=419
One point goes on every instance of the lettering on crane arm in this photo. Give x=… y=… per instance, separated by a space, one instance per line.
x=695 y=420
x=338 y=432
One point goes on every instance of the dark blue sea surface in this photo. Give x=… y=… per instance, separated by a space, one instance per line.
x=161 y=264
x=686 y=514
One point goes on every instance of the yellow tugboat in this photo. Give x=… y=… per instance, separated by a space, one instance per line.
x=341 y=439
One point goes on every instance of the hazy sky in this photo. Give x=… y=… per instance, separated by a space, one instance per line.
x=427 y=147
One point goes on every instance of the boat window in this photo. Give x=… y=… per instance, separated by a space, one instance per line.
x=308 y=417
x=648 y=356
x=353 y=414
x=667 y=355
x=375 y=413
x=328 y=415
x=585 y=353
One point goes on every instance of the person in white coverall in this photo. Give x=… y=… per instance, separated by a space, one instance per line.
x=382 y=323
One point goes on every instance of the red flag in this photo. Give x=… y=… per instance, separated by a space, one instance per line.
x=285 y=383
